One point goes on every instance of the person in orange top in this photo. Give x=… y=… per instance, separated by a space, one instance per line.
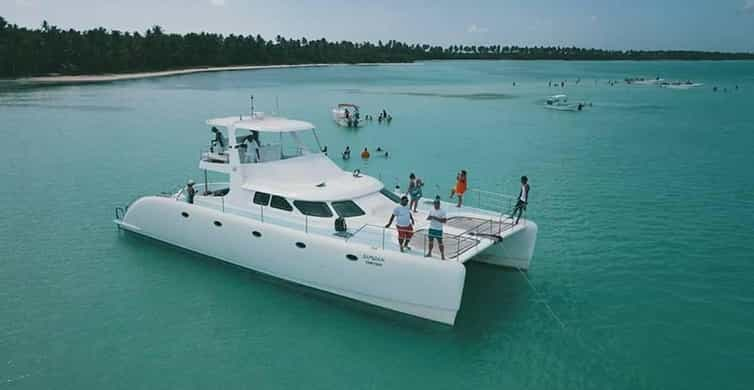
x=365 y=154
x=460 y=187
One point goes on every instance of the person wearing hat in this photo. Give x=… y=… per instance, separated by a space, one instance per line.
x=190 y=191
x=437 y=217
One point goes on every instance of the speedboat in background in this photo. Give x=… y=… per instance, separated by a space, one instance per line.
x=560 y=103
x=347 y=115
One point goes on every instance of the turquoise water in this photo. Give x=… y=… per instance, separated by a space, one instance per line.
x=645 y=206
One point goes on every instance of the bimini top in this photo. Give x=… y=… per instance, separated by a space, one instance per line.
x=259 y=122
x=346 y=105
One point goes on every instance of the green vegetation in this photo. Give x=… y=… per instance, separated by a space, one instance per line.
x=50 y=50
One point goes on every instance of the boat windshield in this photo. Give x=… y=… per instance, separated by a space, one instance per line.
x=269 y=146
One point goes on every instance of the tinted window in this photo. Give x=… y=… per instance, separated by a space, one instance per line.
x=313 y=209
x=261 y=198
x=390 y=195
x=278 y=202
x=347 y=209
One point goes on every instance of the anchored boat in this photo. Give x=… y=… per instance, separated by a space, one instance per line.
x=288 y=211
x=560 y=103
x=347 y=115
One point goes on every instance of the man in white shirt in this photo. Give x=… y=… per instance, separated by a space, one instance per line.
x=437 y=217
x=404 y=221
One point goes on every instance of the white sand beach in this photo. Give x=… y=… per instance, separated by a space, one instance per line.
x=131 y=76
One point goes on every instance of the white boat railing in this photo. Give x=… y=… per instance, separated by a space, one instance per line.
x=503 y=204
x=374 y=236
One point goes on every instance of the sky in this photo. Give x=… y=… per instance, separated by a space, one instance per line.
x=724 y=25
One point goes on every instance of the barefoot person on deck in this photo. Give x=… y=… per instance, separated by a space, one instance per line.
x=404 y=221
x=437 y=217
x=414 y=191
x=460 y=187
x=523 y=199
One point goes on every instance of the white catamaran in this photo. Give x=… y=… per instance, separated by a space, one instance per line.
x=288 y=211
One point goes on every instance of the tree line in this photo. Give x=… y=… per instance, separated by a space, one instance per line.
x=51 y=50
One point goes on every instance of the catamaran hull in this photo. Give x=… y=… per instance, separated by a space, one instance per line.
x=416 y=286
x=514 y=251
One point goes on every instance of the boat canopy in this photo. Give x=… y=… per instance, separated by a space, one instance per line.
x=347 y=105
x=558 y=97
x=262 y=124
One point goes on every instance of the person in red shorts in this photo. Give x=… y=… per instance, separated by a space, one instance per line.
x=404 y=221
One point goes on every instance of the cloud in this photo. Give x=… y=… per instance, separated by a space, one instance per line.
x=474 y=29
x=748 y=7
x=217 y=3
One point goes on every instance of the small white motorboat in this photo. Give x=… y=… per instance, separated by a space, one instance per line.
x=347 y=115
x=680 y=84
x=288 y=211
x=644 y=81
x=560 y=103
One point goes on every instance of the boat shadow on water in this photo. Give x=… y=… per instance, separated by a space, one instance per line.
x=493 y=296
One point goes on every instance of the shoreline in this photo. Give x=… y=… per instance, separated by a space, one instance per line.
x=83 y=79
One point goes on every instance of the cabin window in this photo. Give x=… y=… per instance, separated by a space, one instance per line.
x=261 y=198
x=313 y=209
x=347 y=208
x=390 y=195
x=278 y=202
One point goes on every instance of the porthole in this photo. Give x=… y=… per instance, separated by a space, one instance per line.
x=301 y=245
x=256 y=234
x=351 y=257
x=218 y=223
x=184 y=214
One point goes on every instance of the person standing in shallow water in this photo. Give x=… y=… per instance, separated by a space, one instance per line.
x=365 y=154
x=522 y=200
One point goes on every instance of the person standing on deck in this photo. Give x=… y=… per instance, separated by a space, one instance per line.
x=218 y=137
x=523 y=199
x=404 y=221
x=414 y=191
x=437 y=217
x=460 y=188
x=190 y=192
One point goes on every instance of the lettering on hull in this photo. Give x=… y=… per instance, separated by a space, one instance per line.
x=373 y=260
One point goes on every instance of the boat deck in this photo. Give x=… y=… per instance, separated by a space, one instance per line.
x=480 y=226
x=455 y=245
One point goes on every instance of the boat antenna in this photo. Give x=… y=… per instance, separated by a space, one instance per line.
x=252 y=106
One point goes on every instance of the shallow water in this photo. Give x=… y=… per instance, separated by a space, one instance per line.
x=645 y=204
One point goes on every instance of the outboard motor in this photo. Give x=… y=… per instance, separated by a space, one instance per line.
x=340 y=225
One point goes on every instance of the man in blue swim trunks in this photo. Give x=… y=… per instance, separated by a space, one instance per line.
x=437 y=217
